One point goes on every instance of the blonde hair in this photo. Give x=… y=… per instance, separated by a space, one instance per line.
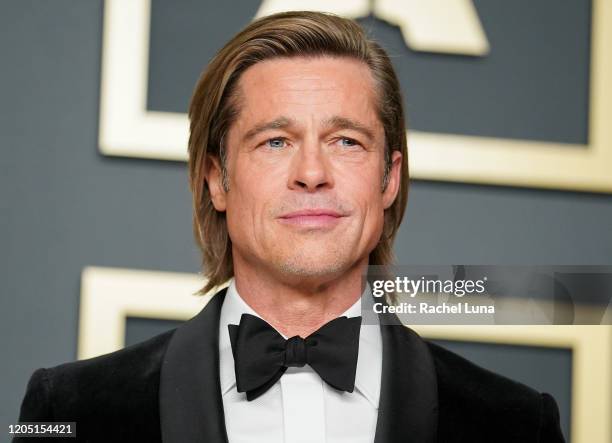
x=214 y=107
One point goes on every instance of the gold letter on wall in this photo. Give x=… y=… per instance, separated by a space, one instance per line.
x=445 y=26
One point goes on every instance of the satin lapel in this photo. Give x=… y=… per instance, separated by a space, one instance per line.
x=191 y=407
x=408 y=409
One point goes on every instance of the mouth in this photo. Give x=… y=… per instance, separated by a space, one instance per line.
x=312 y=218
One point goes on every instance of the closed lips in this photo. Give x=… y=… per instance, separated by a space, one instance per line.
x=312 y=213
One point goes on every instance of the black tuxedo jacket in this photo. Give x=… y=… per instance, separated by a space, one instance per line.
x=167 y=389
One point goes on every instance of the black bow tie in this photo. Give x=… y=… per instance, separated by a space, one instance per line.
x=262 y=355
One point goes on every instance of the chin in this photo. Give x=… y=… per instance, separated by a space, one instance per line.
x=313 y=267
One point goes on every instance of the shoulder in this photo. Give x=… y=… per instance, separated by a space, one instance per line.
x=477 y=401
x=135 y=368
x=114 y=387
x=460 y=378
x=136 y=362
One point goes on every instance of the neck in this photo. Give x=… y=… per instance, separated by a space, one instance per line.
x=299 y=305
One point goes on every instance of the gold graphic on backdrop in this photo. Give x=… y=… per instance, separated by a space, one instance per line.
x=445 y=26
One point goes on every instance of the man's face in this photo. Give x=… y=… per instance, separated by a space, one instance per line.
x=305 y=161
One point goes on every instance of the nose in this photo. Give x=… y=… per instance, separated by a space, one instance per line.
x=310 y=168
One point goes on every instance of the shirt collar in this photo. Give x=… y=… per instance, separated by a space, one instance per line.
x=369 y=361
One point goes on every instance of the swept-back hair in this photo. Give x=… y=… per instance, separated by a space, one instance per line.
x=214 y=107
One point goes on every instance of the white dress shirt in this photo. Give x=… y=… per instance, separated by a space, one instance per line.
x=301 y=407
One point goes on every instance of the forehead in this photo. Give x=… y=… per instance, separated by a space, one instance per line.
x=308 y=86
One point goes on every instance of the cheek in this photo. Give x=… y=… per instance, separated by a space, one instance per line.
x=372 y=203
x=363 y=187
x=249 y=202
x=375 y=217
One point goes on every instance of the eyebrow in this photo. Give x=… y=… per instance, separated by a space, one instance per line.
x=336 y=122
x=347 y=123
x=277 y=123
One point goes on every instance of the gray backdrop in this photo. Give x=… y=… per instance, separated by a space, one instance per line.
x=64 y=206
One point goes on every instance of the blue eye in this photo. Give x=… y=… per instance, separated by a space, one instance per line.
x=276 y=143
x=350 y=141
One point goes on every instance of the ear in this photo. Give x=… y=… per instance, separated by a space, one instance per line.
x=390 y=193
x=214 y=179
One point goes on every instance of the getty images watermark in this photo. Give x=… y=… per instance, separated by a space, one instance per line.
x=469 y=294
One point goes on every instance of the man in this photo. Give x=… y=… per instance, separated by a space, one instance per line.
x=298 y=167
